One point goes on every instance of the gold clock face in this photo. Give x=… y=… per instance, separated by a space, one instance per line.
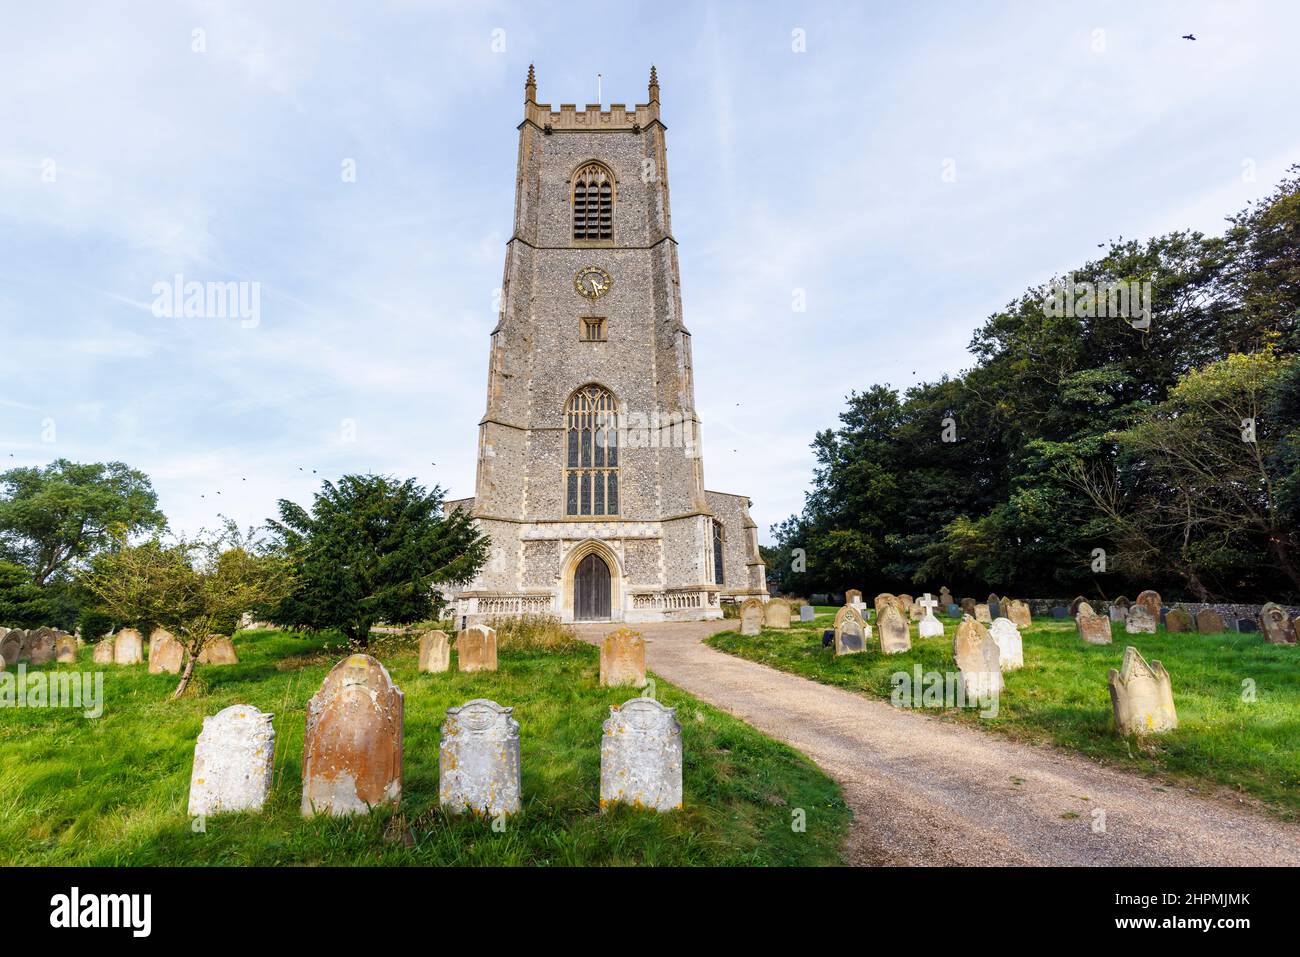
x=592 y=282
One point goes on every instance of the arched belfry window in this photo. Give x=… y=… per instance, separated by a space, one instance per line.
x=593 y=202
x=591 y=471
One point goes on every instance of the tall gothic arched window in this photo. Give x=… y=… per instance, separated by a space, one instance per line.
x=593 y=202
x=591 y=470
x=718 y=577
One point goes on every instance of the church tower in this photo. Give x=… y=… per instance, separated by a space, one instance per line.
x=590 y=476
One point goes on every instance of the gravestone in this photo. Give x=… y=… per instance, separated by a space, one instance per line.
x=218 y=650
x=995 y=606
x=1094 y=629
x=641 y=756
x=1273 y=621
x=954 y=611
x=128 y=647
x=1074 y=605
x=435 y=652
x=1246 y=626
x=968 y=606
x=14 y=645
x=65 y=650
x=895 y=634
x=1082 y=608
x=40 y=646
x=1150 y=600
x=1178 y=620
x=352 y=751
x=1011 y=647
x=945 y=597
x=929 y=626
x=1018 y=612
x=828 y=637
x=1141 y=695
x=807 y=613
x=478 y=760
x=777 y=613
x=853 y=597
x=983 y=615
x=915 y=612
x=1060 y=611
x=904 y=603
x=1116 y=612
x=476 y=649
x=1139 y=621
x=978 y=659
x=851 y=631
x=883 y=599
x=622 y=659
x=1209 y=622
x=233 y=760
x=165 y=653
x=751 y=617
x=1122 y=602
x=103 y=652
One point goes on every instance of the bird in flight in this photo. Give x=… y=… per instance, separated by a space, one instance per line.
x=1189 y=36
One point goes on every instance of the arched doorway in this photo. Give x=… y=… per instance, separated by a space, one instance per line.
x=591 y=589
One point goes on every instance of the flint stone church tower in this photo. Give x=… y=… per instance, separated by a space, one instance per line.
x=590 y=477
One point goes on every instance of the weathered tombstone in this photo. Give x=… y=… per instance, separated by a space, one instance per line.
x=1093 y=628
x=478 y=760
x=1139 y=621
x=352 y=750
x=1018 y=612
x=915 y=612
x=233 y=760
x=1122 y=602
x=128 y=647
x=954 y=611
x=641 y=756
x=1150 y=600
x=929 y=626
x=165 y=653
x=828 y=638
x=883 y=599
x=1060 y=611
x=1246 y=626
x=1273 y=622
x=1082 y=608
x=968 y=606
x=104 y=652
x=14 y=646
x=776 y=614
x=978 y=659
x=983 y=615
x=1011 y=647
x=851 y=631
x=751 y=617
x=435 y=652
x=622 y=659
x=853 y=597
x=40 y=646
x=1141 y=695
x=1074 y=605
x=1178 y=620
x=1209 y=622
x=945 y=597
x=476 y=649
x=995 y=606
x=218 y=650
x=65 y=650
x=1117 y=612
x=904 y=603
x=895 y=633
x=807 y=613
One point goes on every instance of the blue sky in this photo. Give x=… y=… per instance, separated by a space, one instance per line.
x=128 y=158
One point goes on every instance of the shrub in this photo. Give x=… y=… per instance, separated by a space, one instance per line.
x=94 y=624
x=531 y=632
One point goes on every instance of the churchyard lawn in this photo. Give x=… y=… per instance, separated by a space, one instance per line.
x=113 y=790
x=1061 y=698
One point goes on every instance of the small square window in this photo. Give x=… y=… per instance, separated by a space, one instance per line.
x=593 y=329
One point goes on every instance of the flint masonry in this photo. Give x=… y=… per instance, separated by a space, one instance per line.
x=590 y=472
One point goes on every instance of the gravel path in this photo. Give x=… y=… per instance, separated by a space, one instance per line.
x=924 y=792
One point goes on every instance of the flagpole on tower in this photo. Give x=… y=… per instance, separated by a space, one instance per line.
x=600 y=100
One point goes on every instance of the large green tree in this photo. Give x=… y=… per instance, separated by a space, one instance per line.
x=22 y=604
x=56 y=517
x=373 y=549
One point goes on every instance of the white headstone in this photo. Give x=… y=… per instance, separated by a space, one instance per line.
x=1011 y=648
x=478 y=761
x=929 y=626
x=807 y=613
x=641 y=756
x=233 y=760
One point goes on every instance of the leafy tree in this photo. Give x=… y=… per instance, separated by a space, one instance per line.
x=55 y=517
x=373 y=549
x=22 y=604
x=193 y=588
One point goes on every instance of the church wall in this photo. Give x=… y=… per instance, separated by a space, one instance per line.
x=742 y=564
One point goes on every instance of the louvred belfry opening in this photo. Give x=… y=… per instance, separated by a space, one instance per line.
x=593 y=203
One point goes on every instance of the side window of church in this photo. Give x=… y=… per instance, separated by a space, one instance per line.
x=718 y=577
x=591 y=471
x=593 y=203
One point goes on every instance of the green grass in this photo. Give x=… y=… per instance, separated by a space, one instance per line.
x=1061 y=698
x=113 y=790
